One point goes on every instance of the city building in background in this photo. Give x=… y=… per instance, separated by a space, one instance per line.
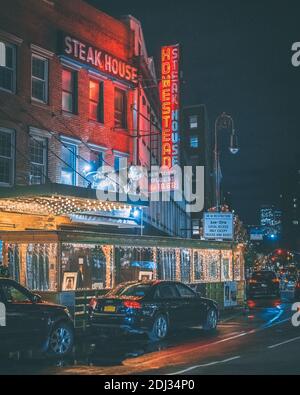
x=196 y=150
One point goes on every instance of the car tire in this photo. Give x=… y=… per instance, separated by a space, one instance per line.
x=61 y=340
x=211 y=320
x=160 y=328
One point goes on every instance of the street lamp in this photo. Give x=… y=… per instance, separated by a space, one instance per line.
x=223 y=121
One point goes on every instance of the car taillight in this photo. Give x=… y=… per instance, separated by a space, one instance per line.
x=275 y=280
x=298 y=285
x=93 y=303
x=130 y=304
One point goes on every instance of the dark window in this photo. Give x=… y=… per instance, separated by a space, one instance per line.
x=96 y=101
x=15 y=295
x=166 y=291
x=184 y=291
x=7 y=66
x=38 y=160
x=39 y=78
x=69 y=91
x=131 y=290
x=120 y=109
x=6 y=157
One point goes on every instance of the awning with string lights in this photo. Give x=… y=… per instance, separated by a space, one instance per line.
x=56 y=199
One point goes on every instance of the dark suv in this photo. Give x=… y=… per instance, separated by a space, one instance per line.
x=27 y=322
x=263 y=283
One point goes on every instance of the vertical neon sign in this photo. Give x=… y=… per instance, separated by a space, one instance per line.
x=170 y=102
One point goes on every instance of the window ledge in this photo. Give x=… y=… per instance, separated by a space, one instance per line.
x=39 y=103
x=97 y=123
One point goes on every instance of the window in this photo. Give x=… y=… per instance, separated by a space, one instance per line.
x=14 y=295
x=194 y=142
x=39 y=78
x=69 y=91
x=96 y=101
x=166 y=291
x=196 y=227
x=69 y=165
x=38 y=160
x=6 y=156
x=184 y=291
x=120 y=109
x=193 y=121
x=7 y=67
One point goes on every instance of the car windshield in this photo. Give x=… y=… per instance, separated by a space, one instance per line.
x=263 y=276
x=130 y=290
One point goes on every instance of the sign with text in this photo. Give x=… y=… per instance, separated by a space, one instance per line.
x=218 y=226
x=170 y=97
x=97 y=58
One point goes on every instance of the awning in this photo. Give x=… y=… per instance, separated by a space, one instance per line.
x=57 y=199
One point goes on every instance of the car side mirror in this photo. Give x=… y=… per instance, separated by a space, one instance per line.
x=36 y=298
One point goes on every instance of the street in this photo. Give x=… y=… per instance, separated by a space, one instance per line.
x=260 y=340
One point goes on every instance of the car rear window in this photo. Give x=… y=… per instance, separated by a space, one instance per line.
x=263 y=276
x=131 y=290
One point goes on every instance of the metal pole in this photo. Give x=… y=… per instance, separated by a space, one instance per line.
x=142 y=222
x=216 y=165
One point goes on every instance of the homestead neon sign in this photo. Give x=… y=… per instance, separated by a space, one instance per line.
x=170 y=96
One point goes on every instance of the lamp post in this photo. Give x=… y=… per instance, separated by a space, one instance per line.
x=223 y=121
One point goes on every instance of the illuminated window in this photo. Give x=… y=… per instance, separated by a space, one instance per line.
x=6 y=156
x=69 y=91
x=120 y=109
x=69 y=163
x=39 y=78
x=194 y=142
x=38 y=160
x=96 y=101
x=196 y=227
x=193 y=121
x=7 y=67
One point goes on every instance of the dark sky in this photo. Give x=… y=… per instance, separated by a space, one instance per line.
x=237 y=58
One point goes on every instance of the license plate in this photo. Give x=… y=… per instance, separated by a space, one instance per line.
x=109 y=309
x=264 y=285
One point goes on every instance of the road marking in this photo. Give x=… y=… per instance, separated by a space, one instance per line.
x=285 y=342
x=203 y=366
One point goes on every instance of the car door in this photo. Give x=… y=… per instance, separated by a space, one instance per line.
x=191 y=305
x=170 y=301
x=25 y=319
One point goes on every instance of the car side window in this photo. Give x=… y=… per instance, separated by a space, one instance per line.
x=185 y=292
x=14 y=295
x=166 y=291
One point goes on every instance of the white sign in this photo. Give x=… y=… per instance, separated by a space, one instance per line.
x=2 y=314
x=218 y=226
x=230 y=294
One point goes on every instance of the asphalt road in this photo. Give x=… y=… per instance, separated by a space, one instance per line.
x=259 y=341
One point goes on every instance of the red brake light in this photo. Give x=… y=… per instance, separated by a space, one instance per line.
x=130 y=304
x=93 y=303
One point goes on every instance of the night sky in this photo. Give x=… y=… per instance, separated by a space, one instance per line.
x=237 y=58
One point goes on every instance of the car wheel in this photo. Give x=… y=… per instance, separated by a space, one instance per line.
x=211 y=321
x=160 y=328
x=61 y=340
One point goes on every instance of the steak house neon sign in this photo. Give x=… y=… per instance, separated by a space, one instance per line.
x=99 y=59
x=170 y=96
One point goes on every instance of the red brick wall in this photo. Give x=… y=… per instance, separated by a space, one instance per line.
x=38 y=22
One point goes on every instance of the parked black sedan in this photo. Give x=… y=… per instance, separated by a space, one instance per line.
x=27 y=322
x=153 y=308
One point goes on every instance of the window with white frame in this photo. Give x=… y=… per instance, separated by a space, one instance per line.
x=193 y=121
x=69 y=163
x=38 y=160
x=7 y=67
x=6 y=157
x=39 y=78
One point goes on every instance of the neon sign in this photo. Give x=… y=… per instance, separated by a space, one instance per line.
x=170 y=102
x=98 y=59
